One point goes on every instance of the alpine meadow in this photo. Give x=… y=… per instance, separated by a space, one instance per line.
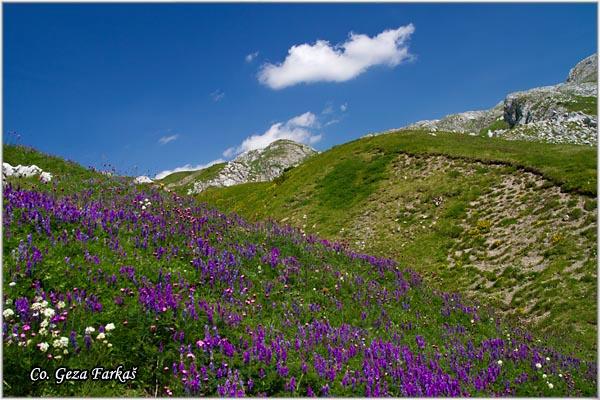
x=449 y=257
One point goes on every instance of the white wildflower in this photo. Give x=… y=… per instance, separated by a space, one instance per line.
x=89 y=330
x=101 y=336
x=109 y=327
x=43 y=347
x=551 y=386
x=60 y=305
x=12 y=284
x=8 y=313
x=500 y=362
x=48 y=312
x=538 y=365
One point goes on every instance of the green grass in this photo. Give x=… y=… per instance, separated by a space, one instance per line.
x=347 y=188
x=494 y=126
x=588 y=105
x=205 y=174
x=68 y=176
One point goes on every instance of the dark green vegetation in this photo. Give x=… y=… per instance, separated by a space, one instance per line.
x=477 y=215
x=207 y=304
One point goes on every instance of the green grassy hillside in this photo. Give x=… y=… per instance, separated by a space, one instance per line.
x=182 y=181
x=510 y=223
x=99 y=272
x=67 y=176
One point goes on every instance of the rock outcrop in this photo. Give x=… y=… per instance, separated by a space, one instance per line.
x=585 y=71
x=142 y=179
x=25 y=171
x=258 y=165
x=563 y=113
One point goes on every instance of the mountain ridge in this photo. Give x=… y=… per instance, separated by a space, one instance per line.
x=259 y=165
x=561 y=113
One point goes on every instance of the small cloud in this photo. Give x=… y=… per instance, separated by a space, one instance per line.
x=322 y=62
x=166 y=139
x=328 y=109
x=187 y=167
x=299 y=129
x=217 y=95
x=344 y=107
x=332 y=122
x=251 y=57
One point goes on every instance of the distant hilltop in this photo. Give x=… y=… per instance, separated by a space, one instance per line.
x=259 y=165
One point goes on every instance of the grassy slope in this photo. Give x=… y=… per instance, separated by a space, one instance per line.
x=336 y=188
x=67 y=176
x=145 y=334
x=183 y=180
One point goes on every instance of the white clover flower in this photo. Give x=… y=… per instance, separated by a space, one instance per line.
x=551 y=386
x=109 y=327
x=43 y=331
x=44 y=303
x=109 y=345
x=143 y=207
x=547 y=358
x=36 y=306
x=101 y=336
x=43 y=347
x=499 y=362
x=60 y=305
x=48 y=312
x=538 y=365
x=8 y=313
x=8 y=302
x=65 y=351
x=44 y=323
x=89 y=330
x=472 y=321
x=560 y=375
x=544 y=376
x=12 y=284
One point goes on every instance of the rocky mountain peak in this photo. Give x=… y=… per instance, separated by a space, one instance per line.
x=562 y=113
x=258 y=165
x=585 y=71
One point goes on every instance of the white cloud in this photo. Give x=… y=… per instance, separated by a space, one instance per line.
x=187 y=167
x=328 y=109
x=306 y=63
x=217 y=95
x=344 y=107
x=251 y=57
x=167 y=139
x=299 y=129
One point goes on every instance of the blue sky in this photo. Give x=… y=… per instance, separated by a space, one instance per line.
x=148 y=88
